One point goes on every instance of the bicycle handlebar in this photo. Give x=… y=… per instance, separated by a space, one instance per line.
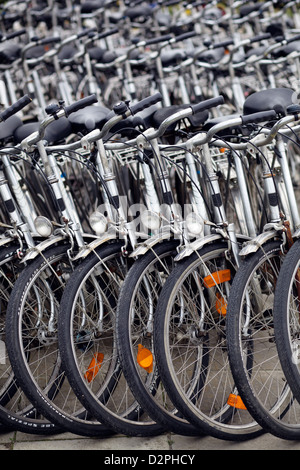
x=258 y=117
x=14 y=108
x=225 y=43
x=80 y=104
x=292 y=39
x=257 y=141
x=262 y=116
x=86 y=32
x=57 y=113
x=260 y=37
x=183 y=36
x=207 y=104
x=205 y=137
x=264 y=138
x=12 y=35
x=157 y=40
x=56 y=39
x=145 y=103
x=38 y=42
x=154 y=133
x=122 y=111
x=50 y=40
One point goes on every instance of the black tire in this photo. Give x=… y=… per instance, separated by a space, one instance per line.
x=134 y=325
x=83 y=335
x=33 y=347
x=262 y=386
x=286 y=318
x=16 y=411
x=190 y=344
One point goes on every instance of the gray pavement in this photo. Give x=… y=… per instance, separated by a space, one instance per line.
x=167 y=442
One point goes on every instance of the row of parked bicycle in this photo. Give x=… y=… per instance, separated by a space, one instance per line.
x=186 y=52
x=150 y=246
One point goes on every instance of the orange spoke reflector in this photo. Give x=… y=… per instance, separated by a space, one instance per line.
x=145 y=358
x=217 y=278
x=221 y=304
x=94 y=367
x=236 y=402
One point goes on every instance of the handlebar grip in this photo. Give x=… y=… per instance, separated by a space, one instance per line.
x=259 y=117
x=260 y=37
x=15 y=34
x=50 y=40
x=171 y=3
x=145 y=103
x=86 y=32
x=105 y=34
x=225 y=43
x=279 y=38
x=14 y=108
x=295 y=38
x=184 y=36
x=159 y=39
x=207 y=104
x=80 y=104
x=134 y=3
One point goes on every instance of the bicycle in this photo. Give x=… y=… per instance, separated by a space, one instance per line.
x=262 y=386
x=137 y=306
x=42 y=284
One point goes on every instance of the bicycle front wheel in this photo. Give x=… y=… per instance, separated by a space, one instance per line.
x=87 y=341
x=32 y=344
x=191 y=347
x=287 y=318
x=252 y=348
x=135 y=318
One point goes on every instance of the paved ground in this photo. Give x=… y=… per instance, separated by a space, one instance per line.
x=166 y=442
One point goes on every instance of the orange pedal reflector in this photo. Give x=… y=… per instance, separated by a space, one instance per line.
x=94 y=367
x=236 y=402
x=217 y=278
x=221 y=304
x=145 y=358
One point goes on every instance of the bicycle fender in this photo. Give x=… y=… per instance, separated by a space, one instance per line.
x=149 y=243
x=253 y=245
x=197 y=245
x=36 y=250
x=86 y=250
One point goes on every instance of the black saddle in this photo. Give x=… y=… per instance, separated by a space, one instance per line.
x=247 y=9
x=94 y=117
x=55 y=132
x=87 y=119
x=96 y=53
x=211 y=56
x=91 y=5
x=173 y=57
x=67 y=52
x=255 y=51
x=9 y=53
x=8 y=127
x=267 y=100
